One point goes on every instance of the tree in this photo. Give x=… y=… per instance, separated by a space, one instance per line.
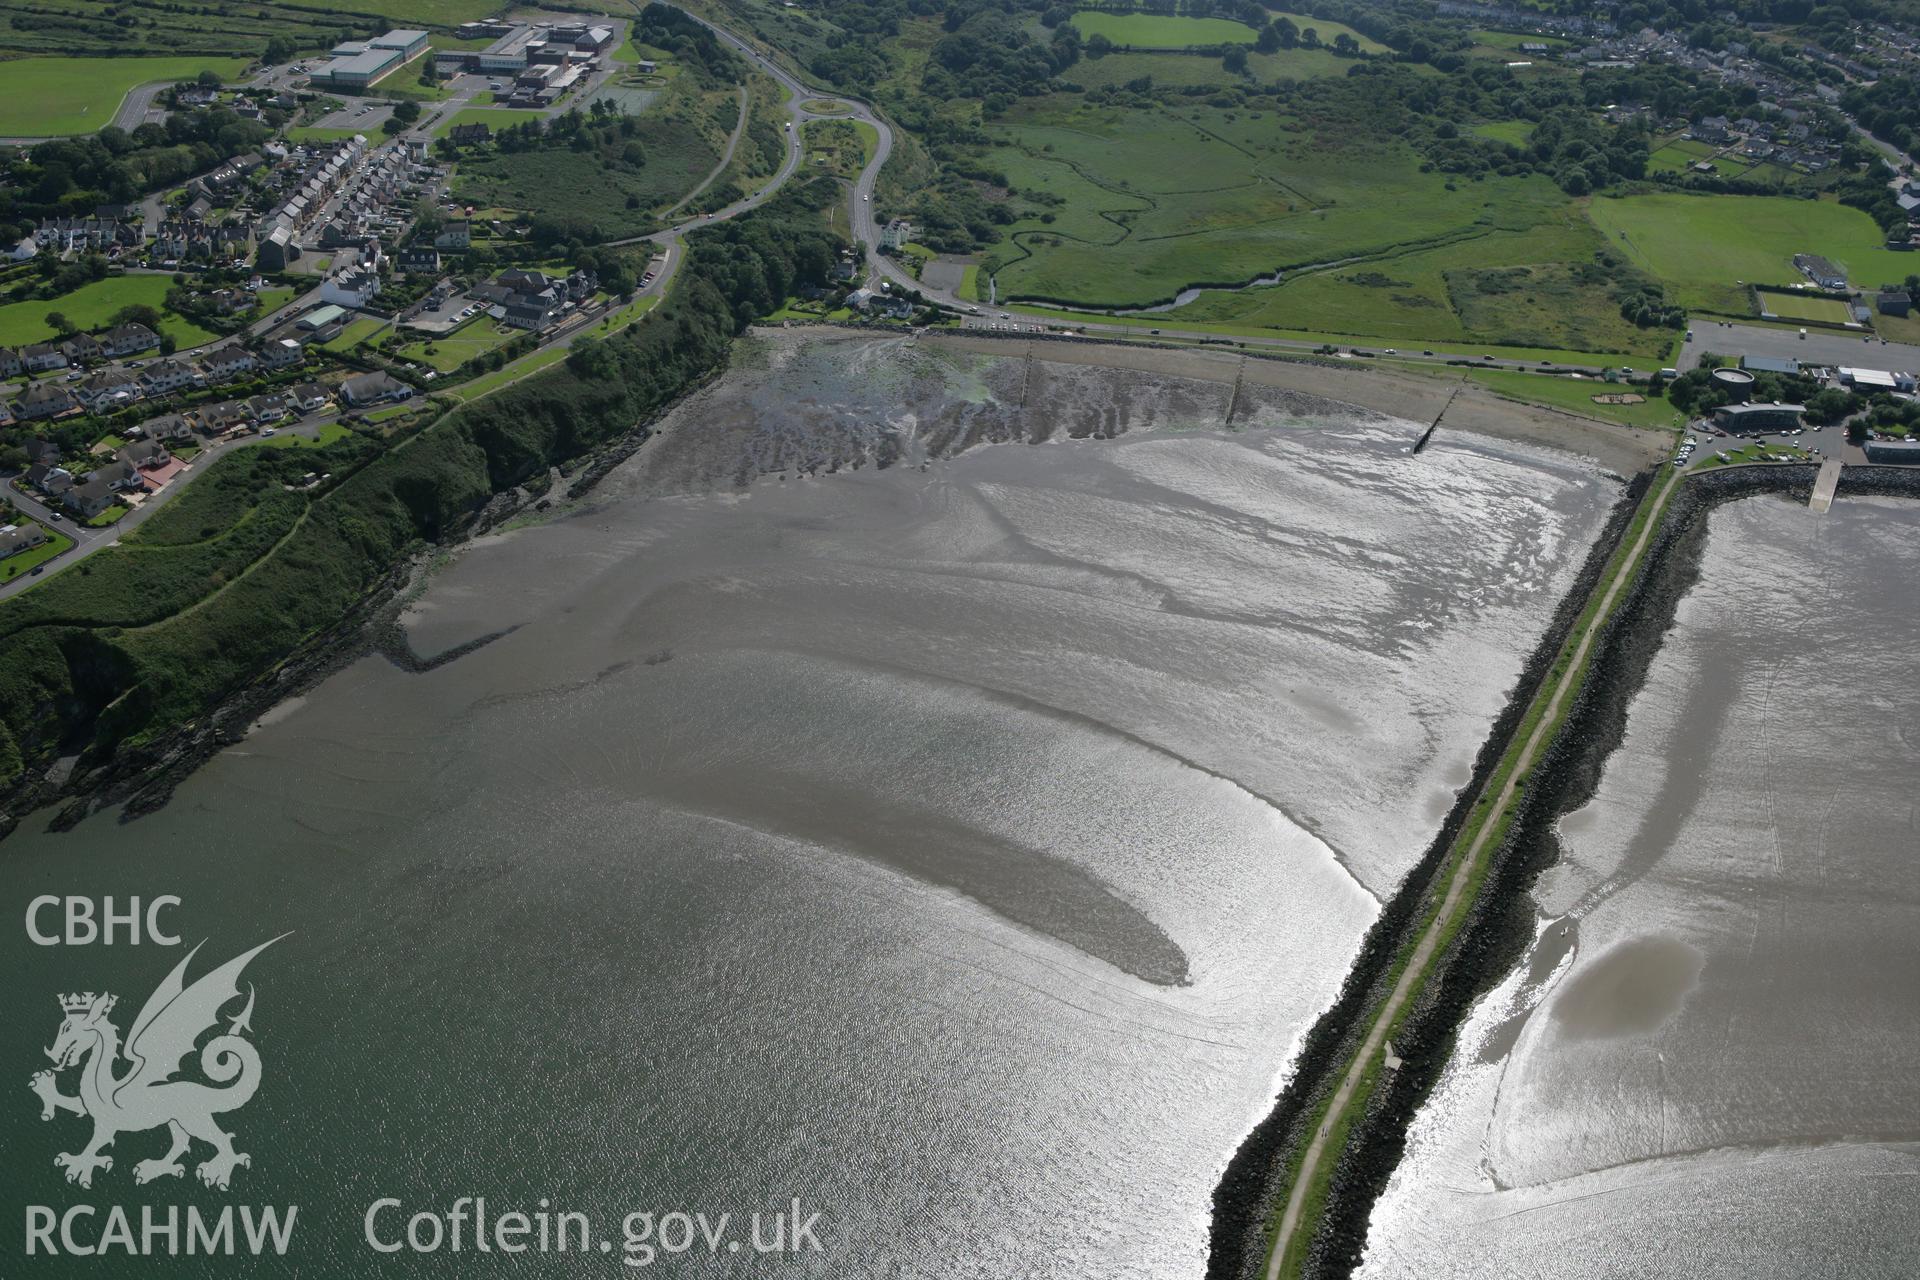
x=208 y=80
x=138 y=313
x=1098 y=46
x=406 y=110
x=279 y=49
x=1235 y=60
x=60 y=324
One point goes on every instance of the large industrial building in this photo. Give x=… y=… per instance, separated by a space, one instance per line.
x=523 y=47
x=356 y=65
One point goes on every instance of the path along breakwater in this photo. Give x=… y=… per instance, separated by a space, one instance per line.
x=1500 y=922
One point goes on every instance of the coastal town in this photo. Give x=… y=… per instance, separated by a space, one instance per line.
x=1090 y=636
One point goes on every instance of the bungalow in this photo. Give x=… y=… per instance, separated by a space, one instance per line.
x=1893 y=302
x=457 y=234
x=126 y=339
x=43 y=450
x=10 y=365
x=44 y=400
x=41 y=357
x=311 y=397
x=163 y=376
x=83 y=348
x=15 y=538
x=223 y=364
x=374 y=388
x=269 y=408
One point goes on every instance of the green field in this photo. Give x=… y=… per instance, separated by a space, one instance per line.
x=569 y=184
x=1798 y=306
x=92 y=305
x=1181 y=69
x=1703 y=247
x=498 y=117
x=1153 y=31
x=1327 y=29
x=46 y=97
x=1515 y=132
x=475 y=338
x=1512 y=40
x=1144 y=204
x=1576 y=396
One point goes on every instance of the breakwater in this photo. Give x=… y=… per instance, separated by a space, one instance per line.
x=1500 y=922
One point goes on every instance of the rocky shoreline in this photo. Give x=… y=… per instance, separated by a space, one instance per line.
x=1501 y=922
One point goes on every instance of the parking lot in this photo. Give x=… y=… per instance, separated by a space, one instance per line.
x=1822 y=347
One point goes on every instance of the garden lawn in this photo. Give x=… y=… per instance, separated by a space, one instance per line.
x=325 y=434
x=15 y=565
x=1703 y=247
x=355 y=333
x=46 y=97
x=92 y=305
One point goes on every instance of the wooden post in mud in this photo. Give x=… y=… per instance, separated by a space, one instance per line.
x=1026 y=374
x=1239 y=380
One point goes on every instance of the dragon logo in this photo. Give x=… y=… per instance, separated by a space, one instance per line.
x=145 y=1095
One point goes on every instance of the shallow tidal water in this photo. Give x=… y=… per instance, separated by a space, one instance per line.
x=1715 y=1070
x=960 y=848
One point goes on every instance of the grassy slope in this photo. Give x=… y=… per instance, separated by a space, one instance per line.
x=1703 y=246
x=50 y=96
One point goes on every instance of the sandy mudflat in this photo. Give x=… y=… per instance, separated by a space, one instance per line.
x=1621 y=449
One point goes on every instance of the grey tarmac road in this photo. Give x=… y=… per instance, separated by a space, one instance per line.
x=87 y=541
